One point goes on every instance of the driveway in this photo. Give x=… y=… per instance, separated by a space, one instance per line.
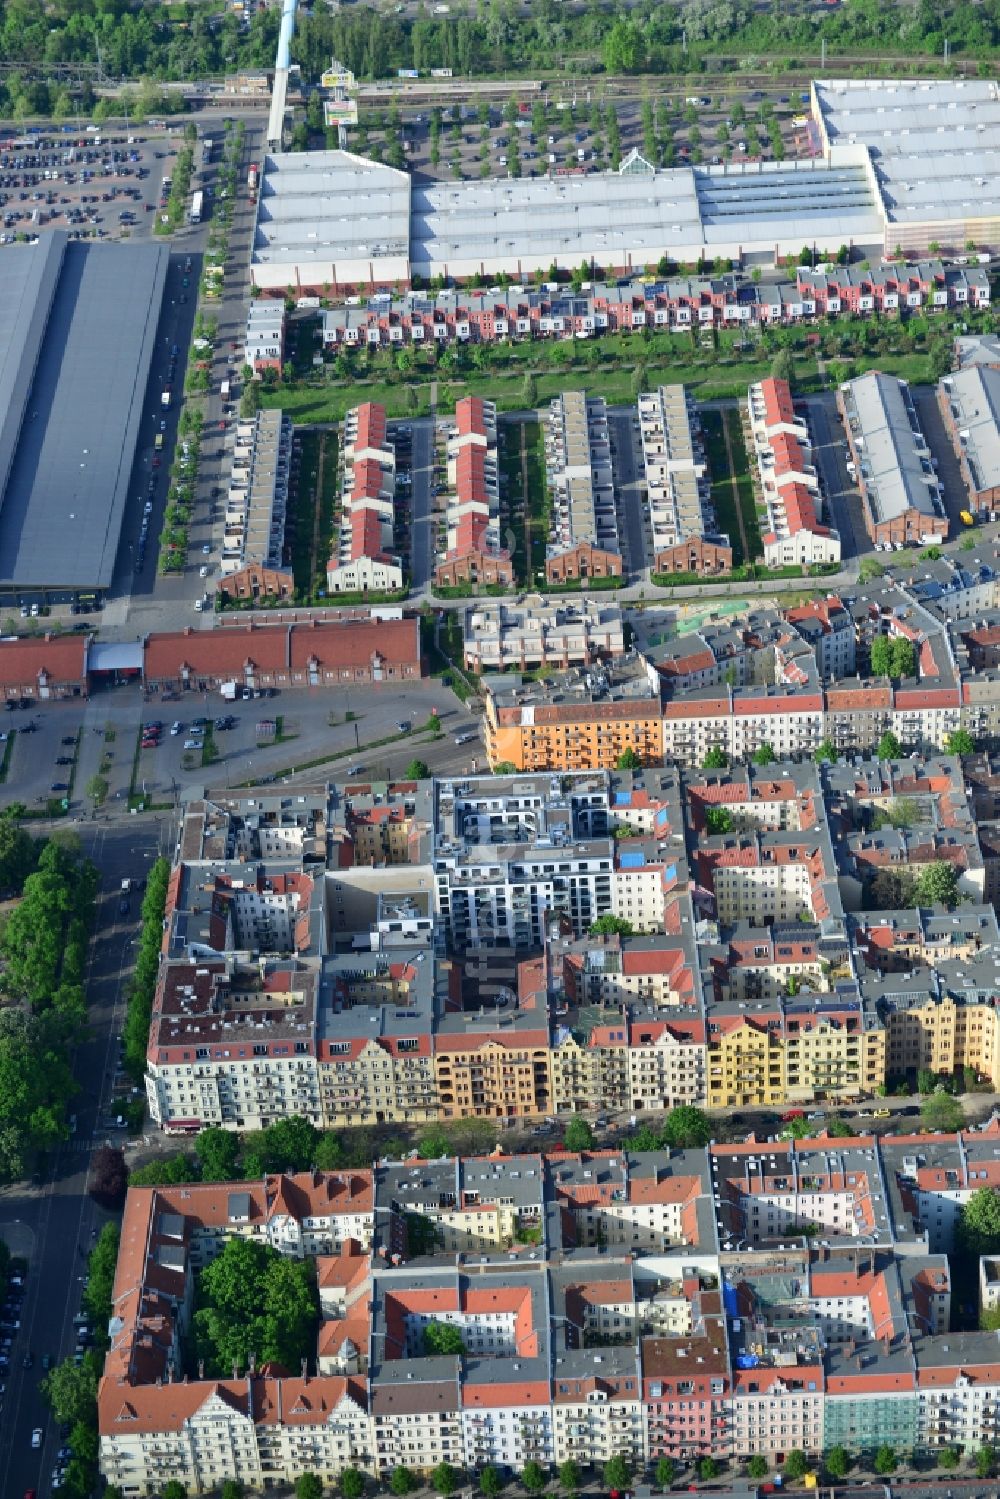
x=843 y=498
x=633 y=527
x=956 y=497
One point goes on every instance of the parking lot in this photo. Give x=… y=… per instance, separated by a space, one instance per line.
x=586 y=133
x=93 y=185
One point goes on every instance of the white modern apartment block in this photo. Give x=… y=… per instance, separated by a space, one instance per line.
x=685 y=534
x=258 y=492
x=534 y=632
x=787 y=479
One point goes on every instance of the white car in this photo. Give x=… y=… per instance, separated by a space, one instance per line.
x=36 y=1437
x=206 y=550
x=199 y=605
x=176 y=726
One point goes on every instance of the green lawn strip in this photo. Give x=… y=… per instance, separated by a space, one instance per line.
x=302 y=511
x=512 y=500
x=539 y=504
x=328 y=498
x=8 y=751
x=346 y=754
x=744 y=484
x=723 y=495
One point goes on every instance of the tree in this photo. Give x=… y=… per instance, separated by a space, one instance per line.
x=402 y=1481
x=611 y=926
x=173 y=1489
x=716 y=759
x=618 y=1473
x=757 y=1466
x=948 y=1458
x=97 y=789
x=578 y=1135
x=687 y=1128
x=417 y=770
x=286 y=1145
x=434 y=1143
x=942 y=1112
x=763 y=755
x=839 y=1128
x=443 y=1338
x=783 y=367
x=533 y=1477
x=628 y=760
x=879 y=656
x=444 y=1479
x=352 y=1483
x=718 y=820
x=795 y=1464
x=217 y=1151
x=666 y=1472
x=489 y=1482
x=251 y=1299
x=985 y=1461
x=505 y=768
x=109 y=1177
x=889 y=747
x=308 y=1486
x=708 y=1469
x=961 y=742
x=885 y=1460
x=569 y=1476
x=826 y=750
x=937 y=884
x=622 y=47
x=979 y=1223
x=71 y=1390
x=838 y=1462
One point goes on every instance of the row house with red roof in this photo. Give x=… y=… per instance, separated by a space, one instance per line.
x=472 y=551
x=365 y=559
x=468 y=315
x=787 y=481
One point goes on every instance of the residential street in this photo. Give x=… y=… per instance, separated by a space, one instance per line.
x=54 y=1222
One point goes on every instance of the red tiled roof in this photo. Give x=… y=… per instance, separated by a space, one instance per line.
x=60 y=658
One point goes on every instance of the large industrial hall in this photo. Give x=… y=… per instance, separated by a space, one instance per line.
x=77 y=333
x=890 y=165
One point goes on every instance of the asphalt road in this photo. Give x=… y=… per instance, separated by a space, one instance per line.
x=422 y=517
x=51 y=1223
x=633 y=529
x=843 y=497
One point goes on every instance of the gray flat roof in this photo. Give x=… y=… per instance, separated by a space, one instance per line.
x=62 y=507
x=935 y=143
x=27 y=283
x=974 y=394
x=897 y=476
x=330 y=202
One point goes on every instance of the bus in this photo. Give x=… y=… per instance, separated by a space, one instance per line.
x=196 y=206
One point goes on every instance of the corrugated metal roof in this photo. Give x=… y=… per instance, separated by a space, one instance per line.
x=64 y=500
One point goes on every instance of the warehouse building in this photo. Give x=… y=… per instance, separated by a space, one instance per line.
x=896 y=164
x=331 y=221
x=899 y=488
x=77 y=332
x=970 y=406
x=935 y=152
